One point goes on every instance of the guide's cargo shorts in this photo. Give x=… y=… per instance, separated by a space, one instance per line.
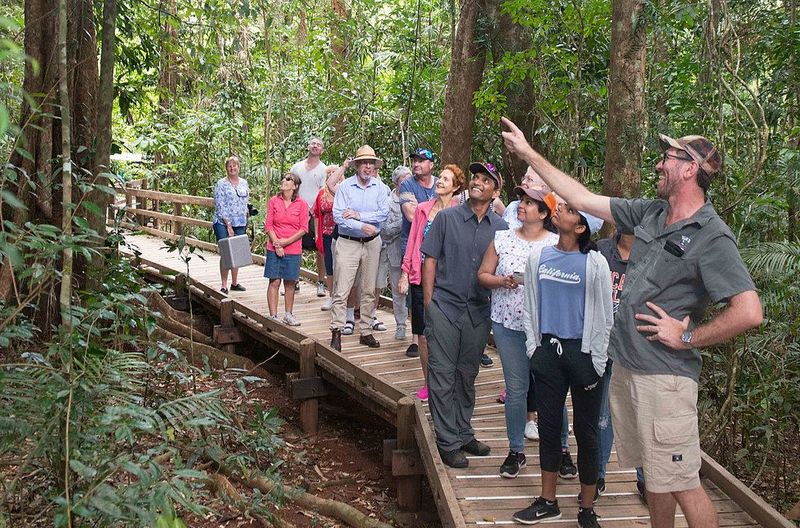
x=655 y=427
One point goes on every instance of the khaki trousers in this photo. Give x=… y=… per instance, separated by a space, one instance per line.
x=352 y=259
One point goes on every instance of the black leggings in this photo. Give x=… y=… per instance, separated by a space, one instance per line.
x=559 y=365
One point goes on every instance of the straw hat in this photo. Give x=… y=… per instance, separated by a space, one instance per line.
x=367 y=153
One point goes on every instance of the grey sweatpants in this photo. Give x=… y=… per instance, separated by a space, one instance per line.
x=454 y=356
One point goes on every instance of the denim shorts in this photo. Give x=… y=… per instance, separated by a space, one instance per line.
x=220 y=231
x=286 y=267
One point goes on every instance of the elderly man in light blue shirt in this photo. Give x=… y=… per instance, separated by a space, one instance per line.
x=360 y=207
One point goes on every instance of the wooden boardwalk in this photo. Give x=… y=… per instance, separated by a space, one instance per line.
x=379 y=378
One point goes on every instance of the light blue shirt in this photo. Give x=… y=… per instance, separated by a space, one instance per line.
x=370 y=202
x=562 y=283
x=230 y=203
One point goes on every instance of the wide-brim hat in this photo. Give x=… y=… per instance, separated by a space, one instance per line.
x=698 y=148
x=367 y=153
x=487 y=168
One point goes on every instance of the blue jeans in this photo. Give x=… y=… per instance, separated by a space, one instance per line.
x=517 y=375
x=607 y=431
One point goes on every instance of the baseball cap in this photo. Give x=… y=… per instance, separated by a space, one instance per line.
x=534 y=194
x=483 y=166
x=594 y=223
x=423 y=153
x=698 y=148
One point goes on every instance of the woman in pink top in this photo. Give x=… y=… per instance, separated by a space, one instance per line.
x=450 y=182
x=286 y=223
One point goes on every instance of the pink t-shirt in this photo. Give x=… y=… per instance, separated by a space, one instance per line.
x=286 y=221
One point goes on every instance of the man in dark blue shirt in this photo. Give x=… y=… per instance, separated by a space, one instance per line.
x=457 y=312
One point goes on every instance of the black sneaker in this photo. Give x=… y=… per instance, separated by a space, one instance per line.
x=486 y=361
x=455 y=458
x=567 y=470
x=540 y=510
x=297 y=286
x=640 y=487
x=476 y=448
x=412 y=351
x=587 y=518
x=599 y=490
x=238 y=287
x=513 y=463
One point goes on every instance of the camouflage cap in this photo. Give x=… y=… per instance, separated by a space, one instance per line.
x=698 y=148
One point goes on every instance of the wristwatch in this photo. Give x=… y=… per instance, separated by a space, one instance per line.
x=686 y=337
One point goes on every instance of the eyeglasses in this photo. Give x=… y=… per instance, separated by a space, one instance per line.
x=288 y=178
x=667 y=155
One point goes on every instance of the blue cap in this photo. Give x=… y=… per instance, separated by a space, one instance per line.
x=423 y=154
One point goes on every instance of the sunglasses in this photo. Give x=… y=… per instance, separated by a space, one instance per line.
x=424 y=153
x=245 y=195
x=289 y=178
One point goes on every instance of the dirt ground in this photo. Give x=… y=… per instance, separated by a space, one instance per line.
x=344 y=461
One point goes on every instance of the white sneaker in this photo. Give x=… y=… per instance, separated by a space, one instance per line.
x=320 y=289
x=531 y=430
x=327 y=305
x=290 y=320
x=400 y=333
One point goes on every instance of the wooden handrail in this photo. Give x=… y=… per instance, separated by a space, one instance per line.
x=170 y=217
x=202 y=201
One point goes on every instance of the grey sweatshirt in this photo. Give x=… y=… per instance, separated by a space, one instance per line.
x=598 y=309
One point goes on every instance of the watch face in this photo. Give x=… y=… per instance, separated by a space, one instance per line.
x=686 y=337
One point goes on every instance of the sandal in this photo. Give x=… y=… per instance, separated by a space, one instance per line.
x=348 y=328
x=378 y=326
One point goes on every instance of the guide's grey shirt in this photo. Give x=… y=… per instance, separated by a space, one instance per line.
x=709 y=270
x=458 y=241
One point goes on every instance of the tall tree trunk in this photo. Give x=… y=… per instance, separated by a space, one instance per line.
x=65 y=296
x=466 y=73
x=626 y=102
x=511 y=38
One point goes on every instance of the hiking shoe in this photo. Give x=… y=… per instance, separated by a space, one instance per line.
x=327 y=305
x=320 y=289
x=567 y=470
x=513 y=463
x=531 y=430
x=290 y=320
x=640 y=487
x=336 y=340
x=422 y=393
x=455 y=458
x=486 y=361
x=599 y=489
x=587 y=518
x=476 y=448
x=369 y=340
x=540 y=510
x=412 y=351
x=238 y=287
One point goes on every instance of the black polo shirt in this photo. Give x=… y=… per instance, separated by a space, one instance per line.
x=682 y=268
x=458 y=241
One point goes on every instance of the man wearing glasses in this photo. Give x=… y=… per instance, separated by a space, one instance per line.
x=683 y=258
x=312 y=178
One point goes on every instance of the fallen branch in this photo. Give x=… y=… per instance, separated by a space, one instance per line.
x=216 y=358
x=327 y=507
x=200 y=323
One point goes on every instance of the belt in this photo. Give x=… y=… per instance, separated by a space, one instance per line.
x=363 y=240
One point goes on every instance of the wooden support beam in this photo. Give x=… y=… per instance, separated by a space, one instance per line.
x=406 y=462
x=309 y=408
x=389 y=445
x=226 y=321
x=177 y=225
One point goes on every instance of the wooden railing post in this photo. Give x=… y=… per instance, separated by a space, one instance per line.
x=406 y=461
x=307 y=387
x=142 y=217
x=309 y=408
x=177 y=226
x=180 y=285
x=225 y=333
